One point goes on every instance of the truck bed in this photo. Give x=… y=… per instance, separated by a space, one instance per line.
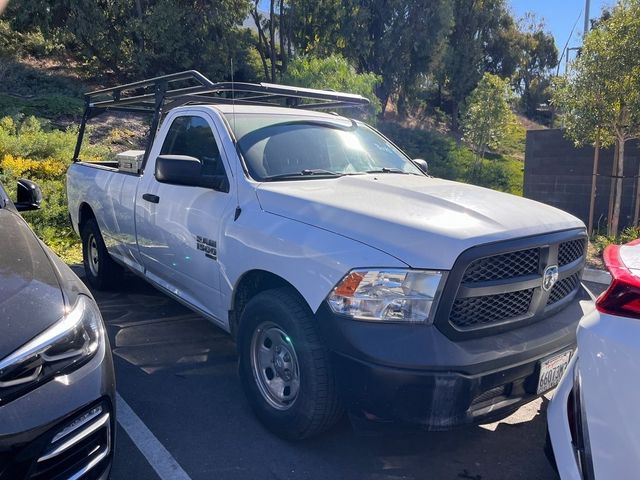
x=111 y=195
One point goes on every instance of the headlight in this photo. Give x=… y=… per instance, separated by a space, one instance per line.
x=61 y=348
x=387 y=295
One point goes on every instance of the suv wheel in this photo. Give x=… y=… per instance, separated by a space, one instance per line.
x=284 y=366
x=101 y=271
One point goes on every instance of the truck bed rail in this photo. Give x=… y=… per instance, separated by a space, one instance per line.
x=155 y=96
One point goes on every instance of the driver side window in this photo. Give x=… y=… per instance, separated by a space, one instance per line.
x=191 y=136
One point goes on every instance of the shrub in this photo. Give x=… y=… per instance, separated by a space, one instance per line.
x=41 y=169
x=49 y=106
x=446 y=159
x=600 y=242
x=334 y=73
x=14 y=43
x=449 y=160
x=30 y=148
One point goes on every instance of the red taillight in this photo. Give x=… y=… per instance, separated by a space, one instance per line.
x=622 y=298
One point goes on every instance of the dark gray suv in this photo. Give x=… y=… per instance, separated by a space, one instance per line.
x=57 y=388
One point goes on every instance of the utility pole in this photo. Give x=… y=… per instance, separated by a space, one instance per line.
x=587 y=4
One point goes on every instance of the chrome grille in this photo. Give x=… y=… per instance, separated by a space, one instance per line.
x=571 y=251
x=563 y=288
x=77 y=448
x=504 y=266
x=477 y=311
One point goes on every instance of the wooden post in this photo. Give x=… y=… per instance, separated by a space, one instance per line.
x=615 y=220
x=636 y=211
x=612 y=189
x=594 y=177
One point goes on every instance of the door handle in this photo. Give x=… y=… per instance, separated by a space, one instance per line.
x=149 y=197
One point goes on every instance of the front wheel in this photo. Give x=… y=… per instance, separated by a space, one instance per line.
x=101 y=270
x=284 y=366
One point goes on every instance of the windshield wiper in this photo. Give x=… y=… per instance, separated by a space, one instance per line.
x=387 y=170
x=303 y=174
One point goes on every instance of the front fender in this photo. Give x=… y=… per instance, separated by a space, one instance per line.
x=311 y=259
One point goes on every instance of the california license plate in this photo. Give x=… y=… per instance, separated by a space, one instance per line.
x=551 y=371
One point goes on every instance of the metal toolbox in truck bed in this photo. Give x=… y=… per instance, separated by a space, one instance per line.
x=130 y=161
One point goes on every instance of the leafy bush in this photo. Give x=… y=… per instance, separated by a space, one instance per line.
x=333 y=73
x=30 y=148
x=13 y=43
x=49 y=106
x=24 y=80
x=600 y=242
x=24 y=167
x=446 y=159
x=32 y=138
x=487 y=114
x=515 y=139
x=449 y=160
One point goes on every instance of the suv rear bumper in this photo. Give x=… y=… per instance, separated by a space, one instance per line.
x=415 y=374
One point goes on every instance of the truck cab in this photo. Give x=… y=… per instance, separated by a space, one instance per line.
x=350 y=278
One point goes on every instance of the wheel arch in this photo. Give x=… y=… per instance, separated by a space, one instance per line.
x=85 y=213
x=248 y=286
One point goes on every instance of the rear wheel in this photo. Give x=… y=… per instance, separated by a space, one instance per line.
x=284 y=366
x=101 y=271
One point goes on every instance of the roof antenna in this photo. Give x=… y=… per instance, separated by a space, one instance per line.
x=233 y=100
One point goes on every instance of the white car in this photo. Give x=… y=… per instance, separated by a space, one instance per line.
x=349 y=276
x=594 y=426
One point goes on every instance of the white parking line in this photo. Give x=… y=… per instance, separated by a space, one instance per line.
x=158 y=457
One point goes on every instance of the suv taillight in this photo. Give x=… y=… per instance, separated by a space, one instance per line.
x=622 y=298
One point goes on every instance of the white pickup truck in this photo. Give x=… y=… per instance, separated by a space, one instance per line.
x=350 y=278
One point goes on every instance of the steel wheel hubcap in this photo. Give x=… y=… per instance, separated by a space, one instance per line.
x=93 y=255
x=275 y=365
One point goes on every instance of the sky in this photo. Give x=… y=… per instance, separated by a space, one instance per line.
x=559 y=17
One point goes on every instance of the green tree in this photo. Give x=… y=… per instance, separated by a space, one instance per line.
x=486 y=117
x=399 y=40
x=481 y=40
x=601 y=97
x=333 y=73
x=537 y=55
x=144 y=37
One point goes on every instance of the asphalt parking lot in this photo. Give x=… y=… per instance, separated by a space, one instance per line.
x=185 y=416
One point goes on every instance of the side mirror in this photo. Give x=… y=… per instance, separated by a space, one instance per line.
x=424 y=166
x=29 y=196
x=185 y=170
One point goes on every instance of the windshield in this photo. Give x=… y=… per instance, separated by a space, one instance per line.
x=281 y=147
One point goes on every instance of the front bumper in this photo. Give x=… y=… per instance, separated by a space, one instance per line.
x=415 y=374
x=63 y=429
x=560 y=449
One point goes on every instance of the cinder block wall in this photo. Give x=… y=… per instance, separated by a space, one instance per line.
x=557 y=173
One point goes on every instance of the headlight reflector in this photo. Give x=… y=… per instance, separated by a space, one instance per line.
x=64 y=346
x=387 y=295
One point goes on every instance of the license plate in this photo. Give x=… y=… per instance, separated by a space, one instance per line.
x=551 y=370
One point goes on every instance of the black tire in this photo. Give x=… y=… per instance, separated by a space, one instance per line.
x=102 y=272
x=316 y=407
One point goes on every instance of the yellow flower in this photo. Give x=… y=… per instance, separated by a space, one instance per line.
x=25 y=167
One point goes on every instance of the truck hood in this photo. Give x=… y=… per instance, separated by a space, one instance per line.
x=424 y=222
x=30 y=295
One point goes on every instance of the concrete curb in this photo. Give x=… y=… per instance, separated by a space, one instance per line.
x=596 y=276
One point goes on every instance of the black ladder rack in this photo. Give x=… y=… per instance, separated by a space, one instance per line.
x=157 y=95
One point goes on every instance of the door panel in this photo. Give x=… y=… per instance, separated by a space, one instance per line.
x=179 y=226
